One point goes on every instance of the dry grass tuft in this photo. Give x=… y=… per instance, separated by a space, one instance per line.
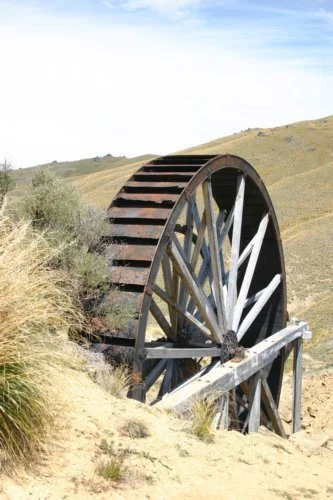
x=202 y=412
x=112 y=469
x=36 y=313
x=135 y=428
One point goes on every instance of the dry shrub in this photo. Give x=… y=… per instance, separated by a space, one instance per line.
x=135 y=428
x=36 y=313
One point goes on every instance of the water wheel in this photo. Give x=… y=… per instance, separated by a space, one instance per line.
x=194 y=243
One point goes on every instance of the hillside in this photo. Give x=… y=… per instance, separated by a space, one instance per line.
x=295 y=162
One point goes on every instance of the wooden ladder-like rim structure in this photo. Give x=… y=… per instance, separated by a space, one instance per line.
x=142 y=240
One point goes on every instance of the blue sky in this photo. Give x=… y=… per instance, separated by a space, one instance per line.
x=90 y=77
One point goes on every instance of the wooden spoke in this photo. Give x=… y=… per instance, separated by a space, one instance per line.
x=177 y=256
x=167 y=277
x=155 y=373
x=166 y=382
x=175 y=298
x=200 y=239
x=249 y=273
x=217 y=286
x=236 y=236
x=226 y=226
x=161 y=320
x=251 y=300
x=264 y=297
x=183 y=296
x=181 y=309
x=271 y=408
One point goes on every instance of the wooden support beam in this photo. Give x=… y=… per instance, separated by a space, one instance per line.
x=297 y=385
x=179 y=352
x=231 y=374
x=254 y=402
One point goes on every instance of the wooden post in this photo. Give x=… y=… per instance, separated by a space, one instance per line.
x=221 y=419
x=297 y=385
x=255 y=399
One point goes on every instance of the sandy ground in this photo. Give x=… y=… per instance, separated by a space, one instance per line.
x=171 y=463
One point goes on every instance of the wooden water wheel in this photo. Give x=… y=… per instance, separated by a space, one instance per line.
x=194 y=243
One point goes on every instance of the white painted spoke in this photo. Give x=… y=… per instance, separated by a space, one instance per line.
x=258 y=306
x=236 y=236
x=251 y=300
x=214 y=252
x=191 y=319
x=249 y=272
x=194 y=289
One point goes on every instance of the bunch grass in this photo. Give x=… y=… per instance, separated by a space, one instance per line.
x=36 y=313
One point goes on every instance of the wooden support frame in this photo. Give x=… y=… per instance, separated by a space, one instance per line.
x=228 y=376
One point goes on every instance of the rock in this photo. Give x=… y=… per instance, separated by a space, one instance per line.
x=311 y=412
x=308 y=445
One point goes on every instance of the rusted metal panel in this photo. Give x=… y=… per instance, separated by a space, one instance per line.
x=185 y=175
x=156 y=185
x=134 y=231
x=125 y=275
x=149 y=197
x=130 y=252
x=138 y=213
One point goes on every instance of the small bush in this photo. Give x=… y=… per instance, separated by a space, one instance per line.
x=135 y=429
x=112 y=469
x=113 y=379
x=202 y=413
x=7 y=179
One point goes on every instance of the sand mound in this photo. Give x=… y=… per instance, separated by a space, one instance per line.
x=172 y=463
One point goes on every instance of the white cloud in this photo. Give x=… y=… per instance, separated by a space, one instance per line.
x=74 y=89
x=177 y=9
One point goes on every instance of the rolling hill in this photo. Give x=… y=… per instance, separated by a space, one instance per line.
x=295 y=162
